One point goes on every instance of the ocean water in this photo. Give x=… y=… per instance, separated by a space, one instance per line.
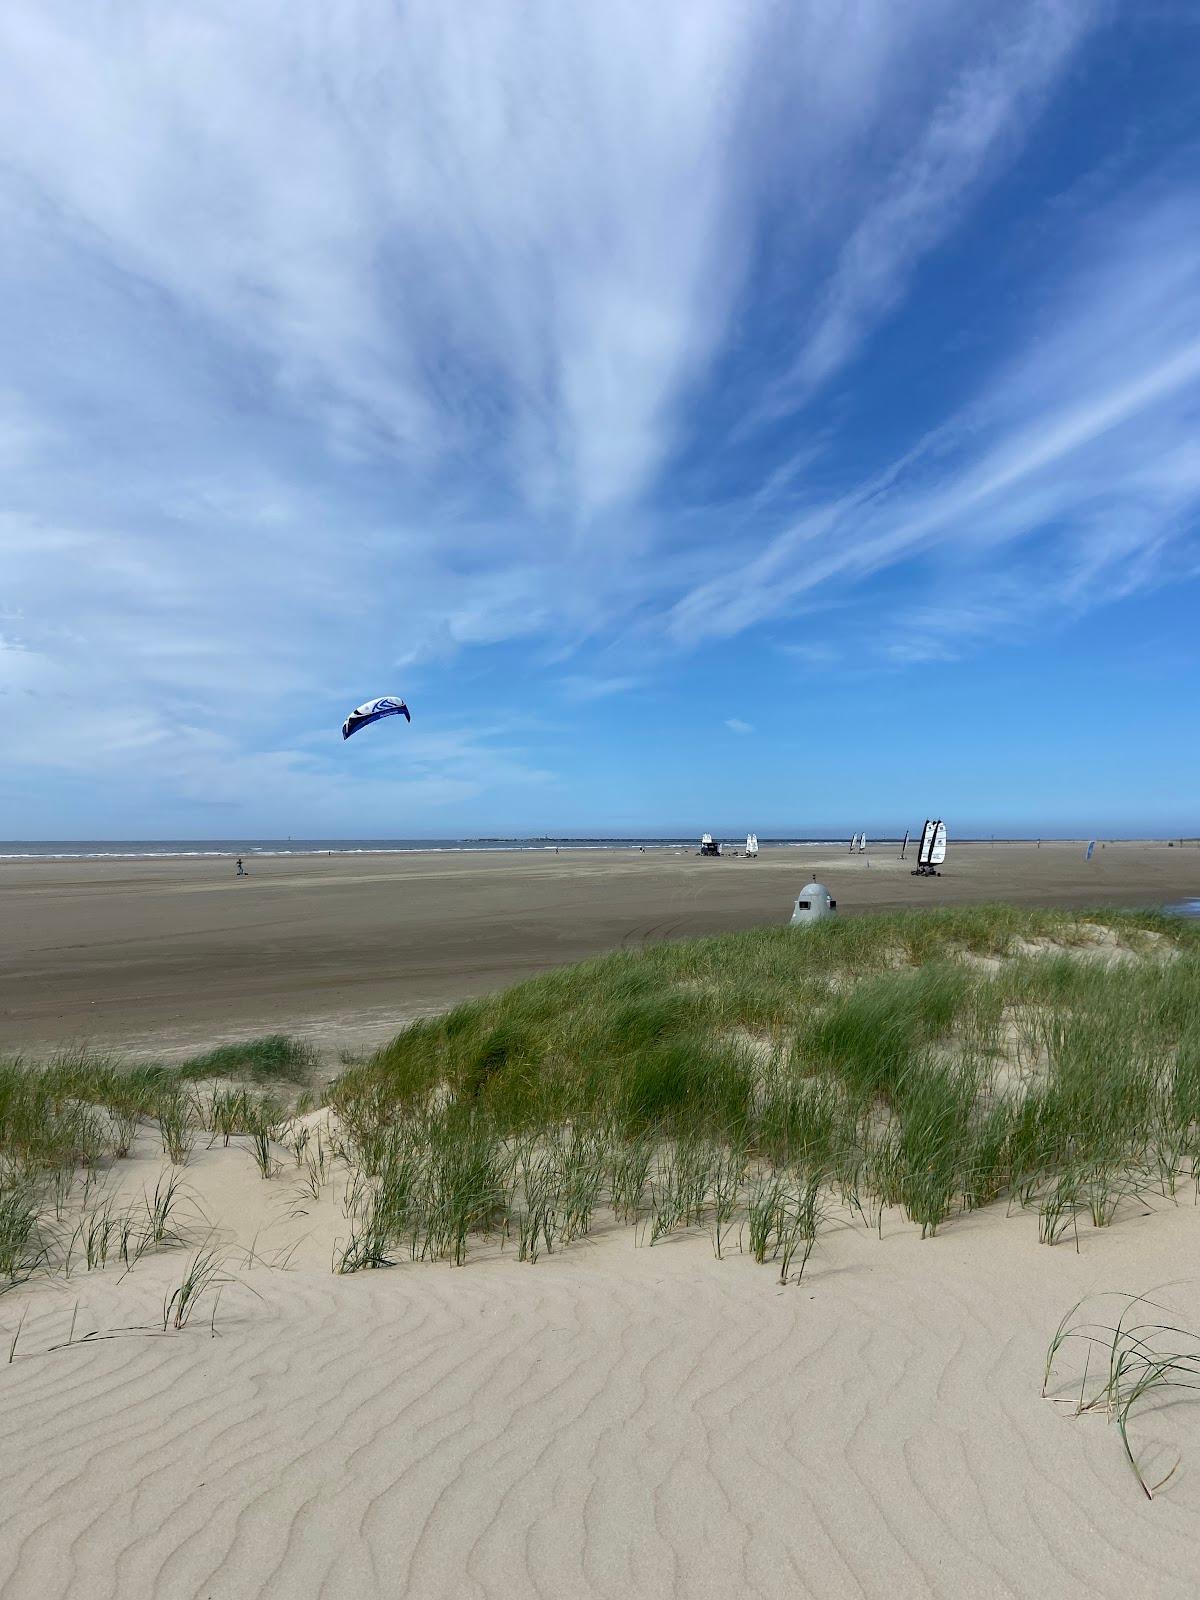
x=143 y=849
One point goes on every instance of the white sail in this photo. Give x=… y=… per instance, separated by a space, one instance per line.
x=937 y=853
x=751 y=844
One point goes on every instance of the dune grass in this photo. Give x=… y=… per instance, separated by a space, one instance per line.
x=203 y=1273
x=917 y=1065
x=934 y=1062
x=65 y=1123
x=275 y=1058
x=1127 y=1366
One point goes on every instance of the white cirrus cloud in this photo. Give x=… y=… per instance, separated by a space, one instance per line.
x=345 y=338
x=1082 y=442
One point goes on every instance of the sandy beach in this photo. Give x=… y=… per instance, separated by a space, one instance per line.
x=624 y=1418
x=616 y=1420
x=164 y=956
x=452 y=455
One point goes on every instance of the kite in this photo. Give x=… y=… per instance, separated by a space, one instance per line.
x=387 y=706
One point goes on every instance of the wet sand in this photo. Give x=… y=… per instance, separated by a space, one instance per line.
x=171 y=955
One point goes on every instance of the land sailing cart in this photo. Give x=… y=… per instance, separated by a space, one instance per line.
x=932 y=850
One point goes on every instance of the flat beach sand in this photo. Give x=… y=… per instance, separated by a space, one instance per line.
x=617 y=1420
x=162 y=957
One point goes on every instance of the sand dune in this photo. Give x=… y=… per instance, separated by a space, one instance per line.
x=616 y=1420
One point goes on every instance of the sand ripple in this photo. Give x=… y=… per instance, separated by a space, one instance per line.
x=614 y=1421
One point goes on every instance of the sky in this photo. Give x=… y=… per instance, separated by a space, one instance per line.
x=774 y=417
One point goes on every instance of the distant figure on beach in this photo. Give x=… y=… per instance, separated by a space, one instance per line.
x=241 y=871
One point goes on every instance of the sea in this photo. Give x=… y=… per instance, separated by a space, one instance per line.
x=148 y=849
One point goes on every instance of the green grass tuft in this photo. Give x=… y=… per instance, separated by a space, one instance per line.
x=878 y=1052
x=275 y=1057
x=736 y=1084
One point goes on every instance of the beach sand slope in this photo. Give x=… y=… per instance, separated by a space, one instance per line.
x=615 y=1420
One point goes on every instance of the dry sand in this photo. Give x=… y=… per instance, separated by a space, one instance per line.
x=613 y=1421
x=165 y=956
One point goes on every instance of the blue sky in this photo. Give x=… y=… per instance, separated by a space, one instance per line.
x=707 y=415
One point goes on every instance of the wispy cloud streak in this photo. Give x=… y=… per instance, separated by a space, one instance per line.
x=1090 y=427
x=348 y=341
x=986 y=111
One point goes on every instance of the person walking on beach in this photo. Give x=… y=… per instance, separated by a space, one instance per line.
x=241 y=871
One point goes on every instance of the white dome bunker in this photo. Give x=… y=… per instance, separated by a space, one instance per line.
x=812 y=903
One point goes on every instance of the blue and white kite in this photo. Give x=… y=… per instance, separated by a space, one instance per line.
x=386 y=706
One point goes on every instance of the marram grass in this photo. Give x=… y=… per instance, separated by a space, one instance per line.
x=1124 y=1368
x=66 y=1122
x=934 y=1062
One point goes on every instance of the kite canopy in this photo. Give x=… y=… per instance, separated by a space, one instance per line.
x=386 y=706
